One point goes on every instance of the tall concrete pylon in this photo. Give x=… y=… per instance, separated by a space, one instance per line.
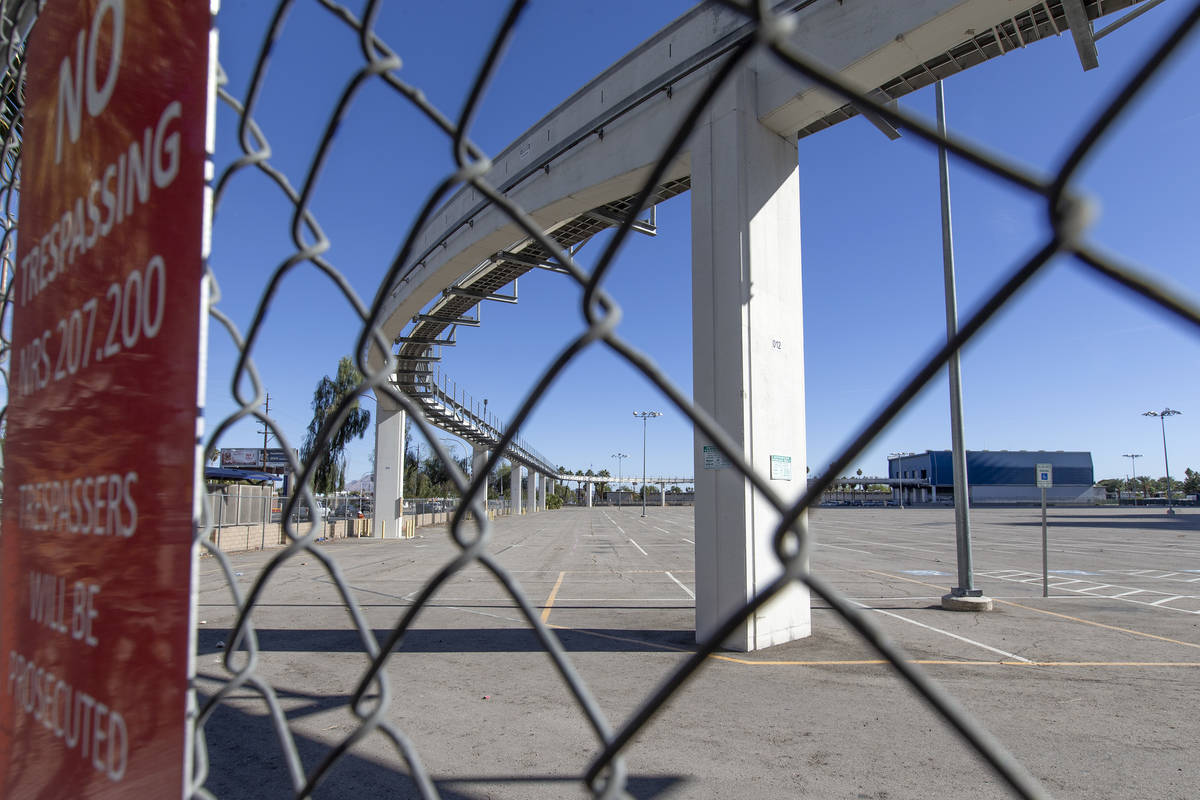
x=479 y=457
x=389 y=467
x=514 y=487
x=748 y=360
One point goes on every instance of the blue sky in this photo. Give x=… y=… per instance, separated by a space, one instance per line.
x=1070 y=365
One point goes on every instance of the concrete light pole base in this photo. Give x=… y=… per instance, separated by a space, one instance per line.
x=955 y=602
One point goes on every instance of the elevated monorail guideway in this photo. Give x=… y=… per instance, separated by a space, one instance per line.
x=580 y=168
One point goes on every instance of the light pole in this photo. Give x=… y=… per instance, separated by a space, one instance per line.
x=645 y=415
x=619 y=457
x=1162 y=419
x=1133 y=457
x=900 y=473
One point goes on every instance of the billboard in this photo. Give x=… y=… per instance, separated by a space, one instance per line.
x=253 y=457
x=96 y=552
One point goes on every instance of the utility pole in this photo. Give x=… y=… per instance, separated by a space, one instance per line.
x=265 y=428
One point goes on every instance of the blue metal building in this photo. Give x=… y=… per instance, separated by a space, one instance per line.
x=996 y=476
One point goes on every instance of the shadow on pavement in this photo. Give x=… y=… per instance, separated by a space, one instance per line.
x=459 y=640
x=246 y=761
x=1154 y=522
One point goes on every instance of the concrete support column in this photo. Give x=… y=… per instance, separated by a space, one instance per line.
x=590 y=488
x=748 y=360
x=389 y=468
x=530 y=493
x=479 y=456
x=514 y=487
x=662 y=497
x=933 y=491
x=541 y=492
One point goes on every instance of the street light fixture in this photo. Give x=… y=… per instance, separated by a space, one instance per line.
x=619 y=457
x=645 y=415
x=1162 y=420
x=1133 y=457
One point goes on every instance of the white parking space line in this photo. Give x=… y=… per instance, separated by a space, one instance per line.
x=988 y=647
x=1164 y=576
x=897 y=546
x=839 y=547
x=615 y=525
x=1068 y=586
x=690 y=593
x=689 y=541
x=632 y=601
x=638 y=546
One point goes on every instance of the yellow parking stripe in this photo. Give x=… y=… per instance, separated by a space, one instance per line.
x=550 y=599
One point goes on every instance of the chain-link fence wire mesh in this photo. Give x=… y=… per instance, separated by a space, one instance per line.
x=12 y=34
x=1066 y=229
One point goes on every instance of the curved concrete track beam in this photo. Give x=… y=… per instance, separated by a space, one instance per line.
x=599 y=145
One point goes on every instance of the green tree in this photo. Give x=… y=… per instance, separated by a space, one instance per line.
x=423 y=486
x=1191 y=481
x=439 y=475
x=330 y=472
x=602 y=488
x=1144 y=484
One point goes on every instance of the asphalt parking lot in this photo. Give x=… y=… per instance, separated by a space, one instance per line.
x=1092 y=687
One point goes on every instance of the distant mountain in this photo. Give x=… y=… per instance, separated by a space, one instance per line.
x=366 y=484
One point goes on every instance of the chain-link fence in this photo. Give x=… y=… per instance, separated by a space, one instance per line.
x=1066 y=233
